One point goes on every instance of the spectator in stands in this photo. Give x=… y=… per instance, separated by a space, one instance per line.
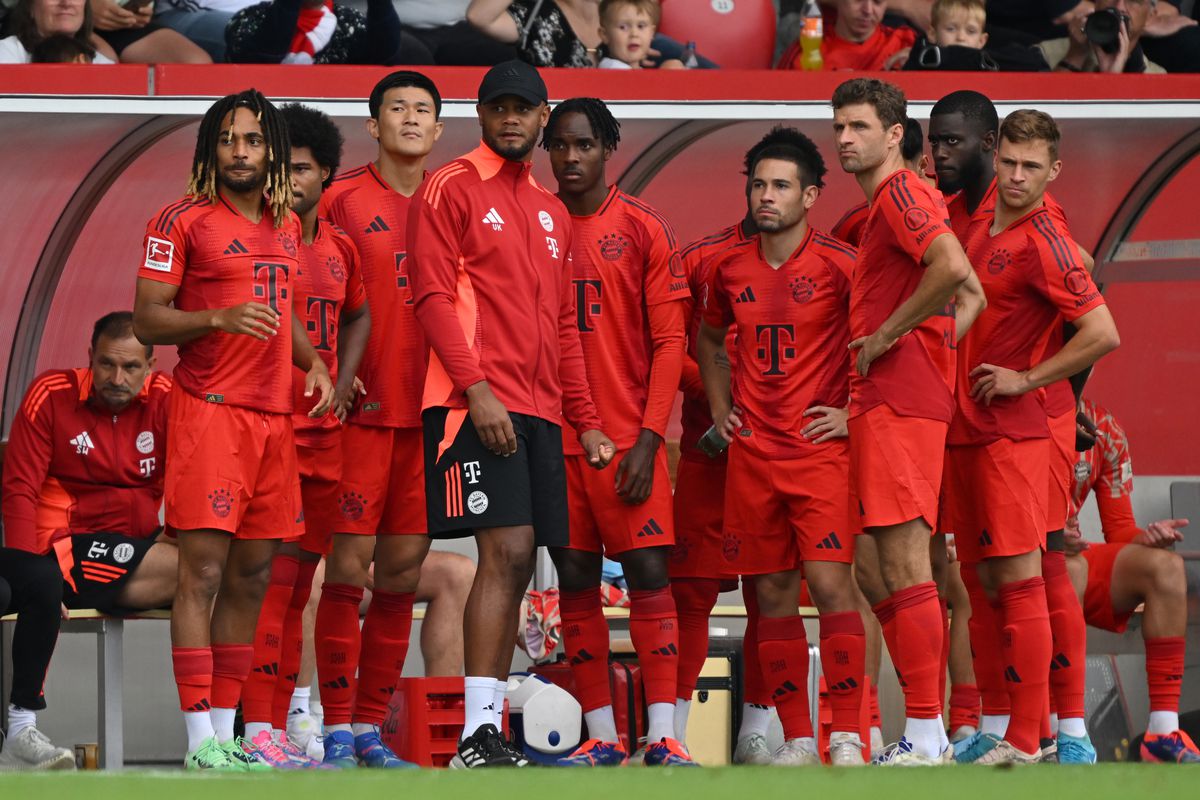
x=1075 y=53
x=627 y=28
x=1132 y=567
x=83 y=483
x=62 y=49
x=858 y=40
x=33 y=20
x=320 y=32
x=956 y=41
x=442 y=27
x=1172 y=39
x=129 y=31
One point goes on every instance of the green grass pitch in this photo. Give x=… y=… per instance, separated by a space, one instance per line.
x=1049 y=782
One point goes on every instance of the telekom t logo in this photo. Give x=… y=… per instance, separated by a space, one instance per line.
x=585 y=306
x=472 y=471
x=777 y=346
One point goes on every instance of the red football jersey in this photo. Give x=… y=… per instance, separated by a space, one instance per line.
x=696 y=258
x=393 y=367
x=850 y=227
x=915 y=378
x=794 y=327
x=218 y=259
x=839 y=54
x=1106 y=469
x=327 y=281
x=625 y=260
x=1031 y=274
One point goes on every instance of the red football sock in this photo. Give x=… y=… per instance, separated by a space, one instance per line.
x=876 y=719
x=231 y=665
x=585 y=639
x=1068 y=665
x=987 y=655
x=964 y=706
x=264 y=664
x=1164 y=671
x=783 y=651
x=918 y=653
x=843 y=660
x=885 y=612
x=291 y=645
x=754 y=688
x=943 y=672
x=1027 y=659
x=385 y=635
x=694 y=601
x=338 y=641
x=654 y=629
x=194 y=674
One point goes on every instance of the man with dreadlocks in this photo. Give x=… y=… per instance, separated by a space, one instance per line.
x=630 y=304
x=216 y=280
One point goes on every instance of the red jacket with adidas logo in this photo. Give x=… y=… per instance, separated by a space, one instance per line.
x=73 y=466
x=489 y=254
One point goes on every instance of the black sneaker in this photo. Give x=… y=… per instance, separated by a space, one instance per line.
x=510 y=744
x=485 y=748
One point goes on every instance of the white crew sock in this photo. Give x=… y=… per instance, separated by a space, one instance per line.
x=222 y=722
x=601 y=724
x=943 y=739
x=660 y=722
x=1160 y=721
x=1053 y=724
x=479 y=696
x=925 y=736
x=199 y=727
x=21 y=718
x=253 y=729
x=498 y=702
x=683 y=708
x=1072 y=726
x=876 y=738
x=340 y=727
x=359 y=728
x=755 y=719
x=995 y=724
x=300 y=699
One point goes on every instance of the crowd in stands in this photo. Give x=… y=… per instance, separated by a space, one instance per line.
x=968 y=35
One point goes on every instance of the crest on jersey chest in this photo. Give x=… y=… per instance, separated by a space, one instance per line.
x=288 y=242
x=336 y=268
x=803 y=288
x=612 y=246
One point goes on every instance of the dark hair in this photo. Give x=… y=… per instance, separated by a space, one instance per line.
x=22 y=25
x=399 y=80
x=308 y=127
x=116 y=325
x=203 y=180
x=604 y=125
x=777 y=135
x=1027 y=124
x=913 y=143
x=886 y=98
x=792 y=145
x=60 y=49
x=973 y=106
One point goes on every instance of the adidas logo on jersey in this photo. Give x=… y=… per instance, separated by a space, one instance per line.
x=747 y=296
x=377 y=226
x=83 y=444
x=236 y=248
x=493 y=218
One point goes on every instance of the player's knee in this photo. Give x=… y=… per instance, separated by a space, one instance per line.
x=832 y=591
x=1167 y=574
x=456 y=574
x=512 y=559
x=200 y=580
x=646 y=570
x=578 y=570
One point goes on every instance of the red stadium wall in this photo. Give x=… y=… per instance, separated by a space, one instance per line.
x=75 y=203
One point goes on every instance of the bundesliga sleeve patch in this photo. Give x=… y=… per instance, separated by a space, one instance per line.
x=159 y=254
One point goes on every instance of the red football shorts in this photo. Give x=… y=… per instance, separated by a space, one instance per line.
x=383 y=481
x=1097 y=597
x=1062 y=467
x=996 y=498
x=699 y=514
x=320 y=479
x=600 y=521
x=895 y=467
x=230 y=469
x=782 y=512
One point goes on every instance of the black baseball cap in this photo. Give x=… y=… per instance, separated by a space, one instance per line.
x=515 y=78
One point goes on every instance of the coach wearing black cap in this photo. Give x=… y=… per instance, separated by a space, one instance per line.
x=489 y=262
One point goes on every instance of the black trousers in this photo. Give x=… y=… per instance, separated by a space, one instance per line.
x=36 y=587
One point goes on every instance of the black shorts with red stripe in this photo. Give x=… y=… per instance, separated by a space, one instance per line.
x=468 y=487
x=102 y=564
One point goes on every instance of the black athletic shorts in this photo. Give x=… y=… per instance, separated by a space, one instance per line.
x=103 y=562
x=471 y=487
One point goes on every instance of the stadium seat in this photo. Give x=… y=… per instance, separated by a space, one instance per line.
x=737 y=34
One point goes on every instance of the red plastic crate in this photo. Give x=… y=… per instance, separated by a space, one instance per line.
x=425 y=717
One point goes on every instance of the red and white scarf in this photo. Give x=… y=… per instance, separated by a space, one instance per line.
x=314 y=30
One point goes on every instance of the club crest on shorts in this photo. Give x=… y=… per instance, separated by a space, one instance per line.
x=352 y=505
x=123 y=552
x=730 y=547
x=477 y=502
x=222 y=503
x=145 y=442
